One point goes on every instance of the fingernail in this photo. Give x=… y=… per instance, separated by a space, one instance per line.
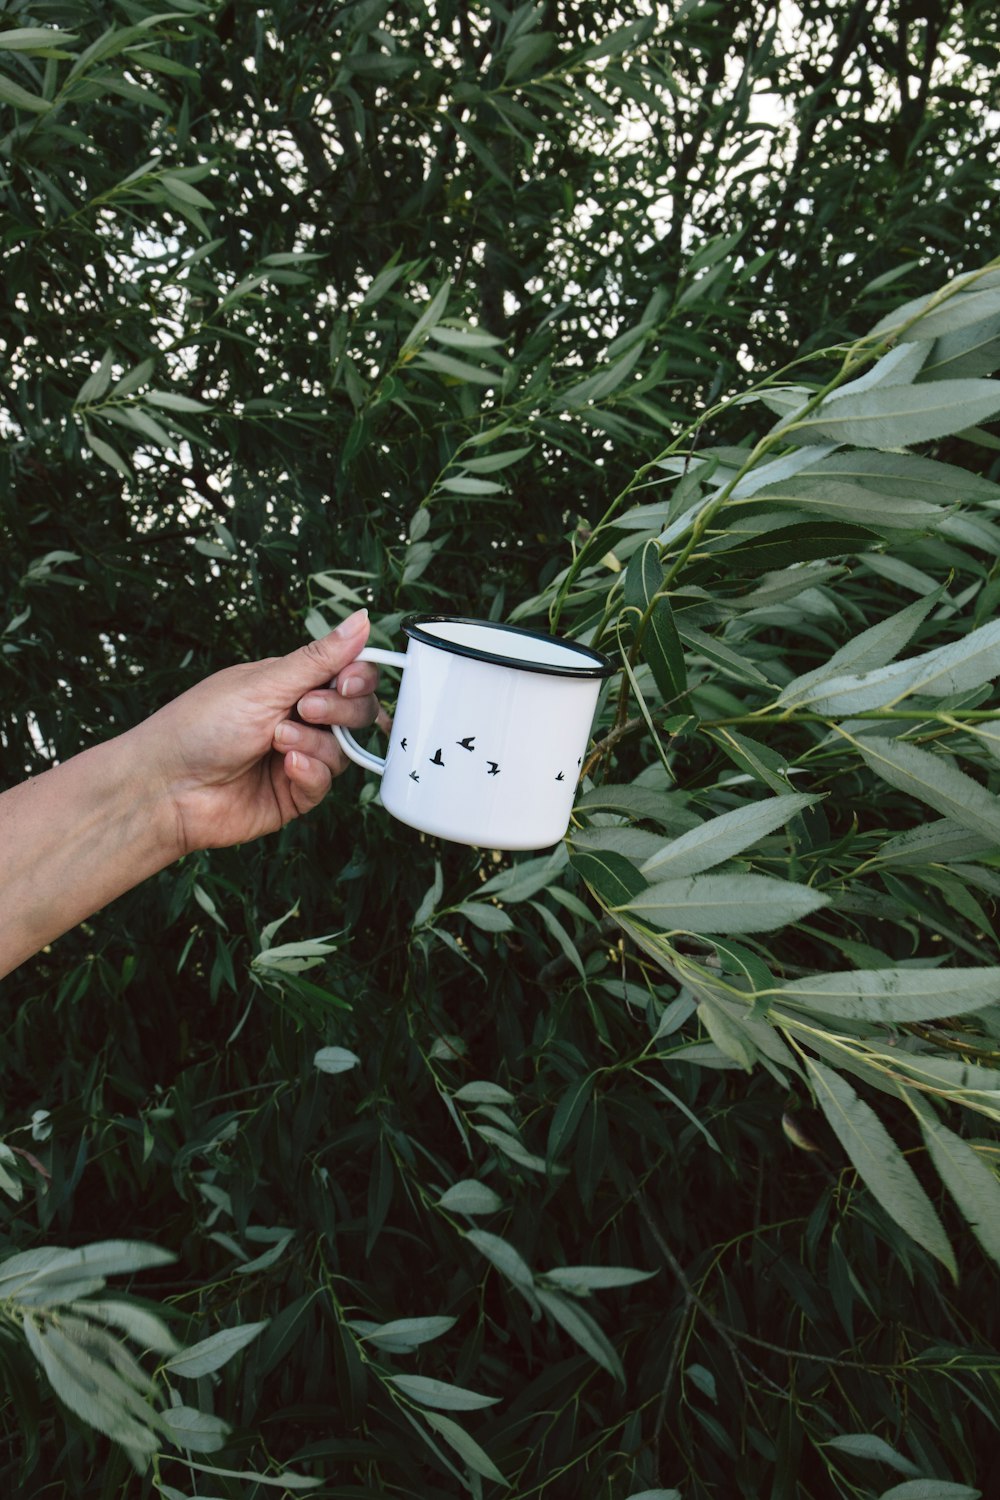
x=311 y=705
x=287 y=734
x=348 y=685
x=353 y=624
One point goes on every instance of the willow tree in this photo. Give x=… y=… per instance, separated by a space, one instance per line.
x=659 y=1163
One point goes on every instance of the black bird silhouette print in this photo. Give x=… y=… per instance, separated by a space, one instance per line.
x=467 y=742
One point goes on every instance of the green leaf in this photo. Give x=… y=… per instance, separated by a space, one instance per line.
x=612 y=877
x=662 y=652
x=724 y=903
x=461 y=484
x=92 y=1388
x=335 y=1060
x=873 y=648
x=215 y=1351
x=470 y=1197
x=482 y=1091
x=899 y=415
x=34 y=39
x=894 y=996
x=486 y=917
x=728 y=1035
x=144 y=1327
x=439 y=1394
x=967 y=663
x=723 y=837
x=584 y=1279
x=287 y=1479
x=583 y=1330
x=784 y=546
x=12 y=93
x=456 y=369
x=466 y=1447
x=502 y=1255
x=193 y=1430
x=174 y=401
x=404 y=1334
x=930 y=1489
x=936 y=781
x=867 y=1445
x=184 y=192
x=970 y=1179
x=879 y=1162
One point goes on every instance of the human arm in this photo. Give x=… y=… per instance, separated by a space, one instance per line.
x=222 y=764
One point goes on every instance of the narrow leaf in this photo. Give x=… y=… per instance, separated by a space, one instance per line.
x=970 y=1179
x=723 y=837
x=890 y=995
x=725 y=903
x=441 y=1395
x=215 y=1351
x=879 y=1162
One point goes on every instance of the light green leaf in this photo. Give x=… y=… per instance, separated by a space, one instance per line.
x=656 y=1495
x=470 y=1197
x=430 y=316
x=867 y=1445
x=292 y=958
x=34 y=39
x=144 y=1327
x=466 y=1447
x=335 y=1060
x=943 y=314
x=725 y=903
x=403 y=1334
x=583 y=1330
x=896 y=416
x=873 y=648
x=583 y=1279
x=482 y=1091
x=930 y=1489
x=195 y=1431
x=969 y=1178
x=728 y=1035
x=462 y=484
x=891 y=995
x=936 y=781
x=439 y=1394
x=464 y=338
x=879 y=1162
x=486 y=917
x=723 y=837
x=503 y=1256
x=456 y=369
x=38 y=1279
x=215 y=1351
x=967 y=663
x=174 y=401
x=91 y=1388
x=940 y=842
x=511 y=1146
x=287 y=1479
x=184 y=192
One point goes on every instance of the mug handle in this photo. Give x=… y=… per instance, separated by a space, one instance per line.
x=344 y=738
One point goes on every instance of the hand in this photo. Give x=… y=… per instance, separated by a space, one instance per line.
x=230 y=757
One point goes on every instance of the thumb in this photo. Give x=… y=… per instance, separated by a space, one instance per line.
x=313 y=664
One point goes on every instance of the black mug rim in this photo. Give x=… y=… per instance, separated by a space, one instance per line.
x=597 y=665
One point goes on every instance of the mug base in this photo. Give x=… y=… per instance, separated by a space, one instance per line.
x=509 y=843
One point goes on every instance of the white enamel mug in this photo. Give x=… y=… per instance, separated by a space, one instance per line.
x=489 y=732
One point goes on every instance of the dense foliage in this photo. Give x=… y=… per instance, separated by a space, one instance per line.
x=658 y=1164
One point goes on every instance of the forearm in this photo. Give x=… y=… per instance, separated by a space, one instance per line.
x=74 y=838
